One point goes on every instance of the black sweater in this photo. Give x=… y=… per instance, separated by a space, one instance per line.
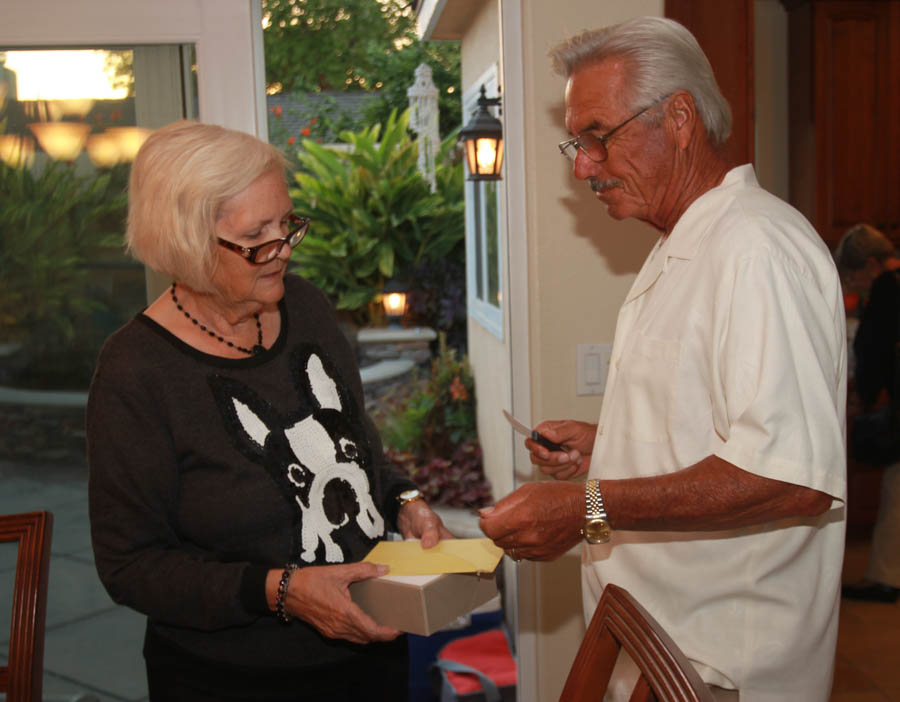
x=876 y=339
x=205 y=472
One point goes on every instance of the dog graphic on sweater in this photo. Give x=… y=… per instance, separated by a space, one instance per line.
x=313 y=458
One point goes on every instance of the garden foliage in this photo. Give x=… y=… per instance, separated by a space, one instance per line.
x=392 y=72
x=52 y=222
x=374 y=216
x=428 y=429
x=328 y=44
x=314 y=46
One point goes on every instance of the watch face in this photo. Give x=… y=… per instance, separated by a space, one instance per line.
x=597 y=531
x=408 y=495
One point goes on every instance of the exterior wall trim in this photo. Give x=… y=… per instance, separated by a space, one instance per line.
x=526 y=594
x=227 y=35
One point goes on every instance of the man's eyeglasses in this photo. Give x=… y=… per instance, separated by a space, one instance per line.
x=293 y=226
x=594 y=147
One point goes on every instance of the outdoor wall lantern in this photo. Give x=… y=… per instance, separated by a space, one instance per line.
x=393 y=297
x=482 y=138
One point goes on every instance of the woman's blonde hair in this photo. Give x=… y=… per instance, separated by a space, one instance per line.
x=182 y=176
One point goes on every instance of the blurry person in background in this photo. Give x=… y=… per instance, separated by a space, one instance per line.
x=870 y=268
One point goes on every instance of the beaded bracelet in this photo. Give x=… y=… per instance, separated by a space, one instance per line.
x=282 y=592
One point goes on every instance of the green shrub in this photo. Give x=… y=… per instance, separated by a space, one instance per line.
x=374 y=216
x=428 y=429
x=52 y=222
x=457 y=482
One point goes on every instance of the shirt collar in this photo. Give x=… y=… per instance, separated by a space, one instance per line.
x=693 y=226
x=691 y=229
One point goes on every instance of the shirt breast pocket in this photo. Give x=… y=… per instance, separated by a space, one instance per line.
x=648 y=380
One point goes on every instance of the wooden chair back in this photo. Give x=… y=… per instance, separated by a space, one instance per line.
x=621 y=622
x=21 y=679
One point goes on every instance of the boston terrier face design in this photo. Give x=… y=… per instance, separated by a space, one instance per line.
x=317 y=456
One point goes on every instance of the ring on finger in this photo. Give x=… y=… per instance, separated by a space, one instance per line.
x=512 y=554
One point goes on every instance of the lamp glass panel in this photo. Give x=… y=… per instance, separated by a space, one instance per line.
x=486 y=154
x=394 y=304
x=103 y=150
x=471 y=155
x=61 y=141
x=16 y=150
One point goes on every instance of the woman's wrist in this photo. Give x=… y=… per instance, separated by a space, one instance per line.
x=392 y=505
x=284 y=581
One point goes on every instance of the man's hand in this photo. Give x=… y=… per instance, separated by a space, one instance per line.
x=578 y=438
x=417 y=520
x=539 y=521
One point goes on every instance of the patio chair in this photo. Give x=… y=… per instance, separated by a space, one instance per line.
x=21 y=678
x=621 y=622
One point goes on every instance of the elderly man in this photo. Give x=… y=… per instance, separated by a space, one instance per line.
x=716 y=472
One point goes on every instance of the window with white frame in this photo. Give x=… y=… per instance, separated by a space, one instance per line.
x=484 y=216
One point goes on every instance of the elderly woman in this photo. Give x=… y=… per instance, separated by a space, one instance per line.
x=235 y=479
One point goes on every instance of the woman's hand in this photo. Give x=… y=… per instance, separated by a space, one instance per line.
x=416 y=520
x=578 y=438
x=320 y=595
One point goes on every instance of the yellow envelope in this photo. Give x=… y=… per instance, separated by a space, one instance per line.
x=449 y=556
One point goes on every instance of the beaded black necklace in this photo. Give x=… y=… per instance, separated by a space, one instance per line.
x=258 y=347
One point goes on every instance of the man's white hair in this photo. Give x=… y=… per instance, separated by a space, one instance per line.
x=661 y=57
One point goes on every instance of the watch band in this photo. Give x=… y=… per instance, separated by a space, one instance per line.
x=594 y=500
x=407 y=496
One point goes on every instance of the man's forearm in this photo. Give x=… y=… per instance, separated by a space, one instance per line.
x=711 y=495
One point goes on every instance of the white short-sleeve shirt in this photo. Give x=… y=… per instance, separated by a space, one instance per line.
x=732 y=342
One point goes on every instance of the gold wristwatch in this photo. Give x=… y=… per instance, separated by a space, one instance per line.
x=596 y=524
x=407 y=496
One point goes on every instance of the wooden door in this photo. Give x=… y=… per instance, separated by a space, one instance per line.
x=724 y=31
x=844 y=126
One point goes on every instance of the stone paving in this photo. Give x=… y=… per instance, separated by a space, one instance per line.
x=45 y=435
x=92 y=646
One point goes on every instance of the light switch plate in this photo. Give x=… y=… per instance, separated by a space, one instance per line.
x=593 y=365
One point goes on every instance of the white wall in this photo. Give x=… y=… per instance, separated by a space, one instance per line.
x=770 y=75
x=580 y=264
x=492 y=379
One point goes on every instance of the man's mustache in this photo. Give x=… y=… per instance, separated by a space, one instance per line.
x=598 y=186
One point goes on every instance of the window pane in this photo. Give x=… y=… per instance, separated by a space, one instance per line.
x=479 y=241
x=492 y=243
x=70 y=124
